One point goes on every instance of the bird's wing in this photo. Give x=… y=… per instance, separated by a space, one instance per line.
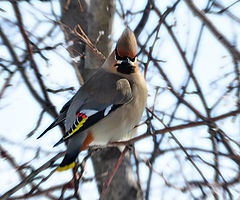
x=103 y=93
x=59 y=119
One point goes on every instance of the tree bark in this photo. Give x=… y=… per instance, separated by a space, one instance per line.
x=97 y=18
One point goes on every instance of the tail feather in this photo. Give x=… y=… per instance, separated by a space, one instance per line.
x=75 y=145
x=68 y=161
x=66 y=167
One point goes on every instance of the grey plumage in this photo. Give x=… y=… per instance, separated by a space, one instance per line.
x=98 y=94
x=108 y=106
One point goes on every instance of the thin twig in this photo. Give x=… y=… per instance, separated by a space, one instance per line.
x=84 y=38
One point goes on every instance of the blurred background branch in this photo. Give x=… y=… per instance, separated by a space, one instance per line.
x=188 y=142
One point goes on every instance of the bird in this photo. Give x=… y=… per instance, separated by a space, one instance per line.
x=108 y=106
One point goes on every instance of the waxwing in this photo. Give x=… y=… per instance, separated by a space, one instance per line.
x=108 y=106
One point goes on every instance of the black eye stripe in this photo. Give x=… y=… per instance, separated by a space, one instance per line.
x=123 y=58
x=132 y=59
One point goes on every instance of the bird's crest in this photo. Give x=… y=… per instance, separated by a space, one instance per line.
x=127 y=44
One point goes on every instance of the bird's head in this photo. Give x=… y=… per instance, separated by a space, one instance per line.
x=123 y=59
x=125 y=53
x=127 y=45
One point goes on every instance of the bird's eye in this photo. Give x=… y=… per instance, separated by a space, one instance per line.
x=133 y=59
x=117 y=57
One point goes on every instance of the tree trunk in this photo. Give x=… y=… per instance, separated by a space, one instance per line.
x=95 y=19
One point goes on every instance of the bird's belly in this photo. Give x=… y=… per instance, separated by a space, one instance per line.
x=117 y=126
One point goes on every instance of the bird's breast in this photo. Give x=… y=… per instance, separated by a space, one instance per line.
x=119 y=125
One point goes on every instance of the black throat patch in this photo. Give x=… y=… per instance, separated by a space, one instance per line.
x=125 y=67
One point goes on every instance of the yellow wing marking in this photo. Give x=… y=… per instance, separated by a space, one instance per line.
x=80 y=124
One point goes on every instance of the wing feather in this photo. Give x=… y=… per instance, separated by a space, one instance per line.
x=59 y=119
x=99 y=92
x=87 y=122
x=103 y=93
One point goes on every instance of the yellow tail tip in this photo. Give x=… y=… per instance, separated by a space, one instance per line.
x=66 y=167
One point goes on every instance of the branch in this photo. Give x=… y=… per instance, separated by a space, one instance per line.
x=30 y=177
x=177 y=127
x=29 y=50
x=233 y=51
x=84 y=38
x=22 y=71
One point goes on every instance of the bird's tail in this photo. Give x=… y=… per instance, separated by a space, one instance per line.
x=68 y=161
x=77 y=143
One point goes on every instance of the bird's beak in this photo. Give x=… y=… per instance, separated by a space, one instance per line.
x=126 y=62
